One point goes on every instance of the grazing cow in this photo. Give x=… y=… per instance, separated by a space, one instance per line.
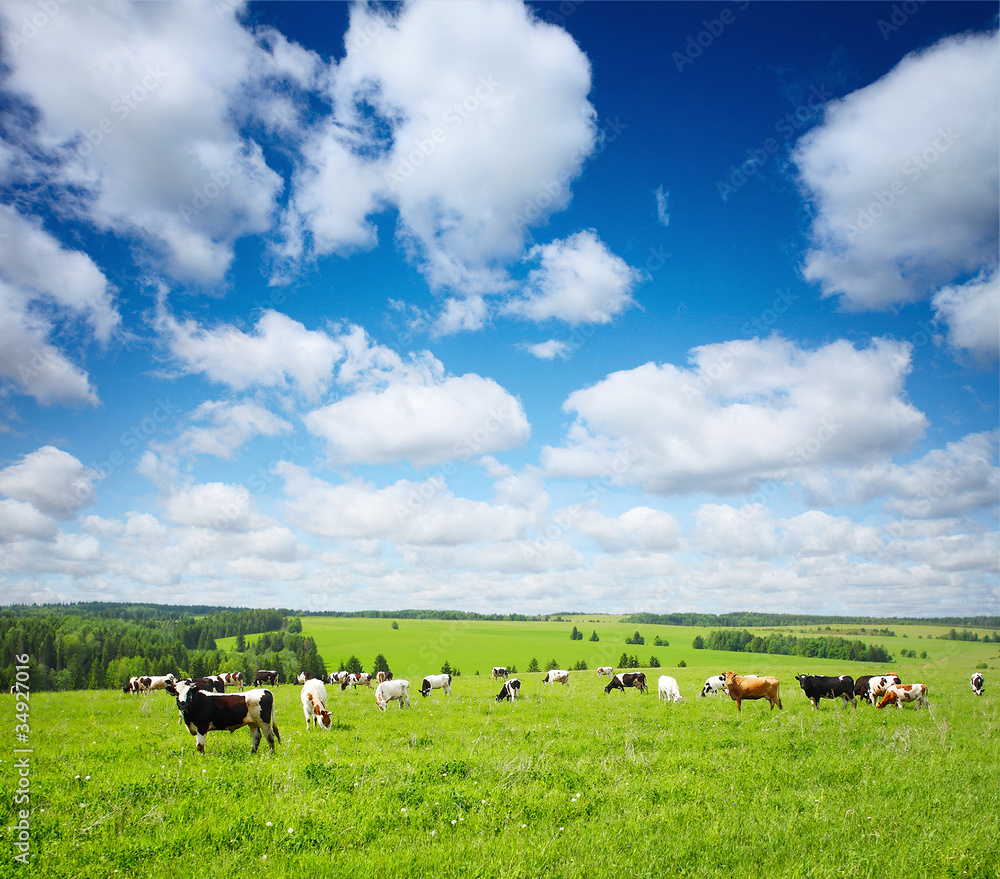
x=667 y=690
x=302 y=677
x=742 y=687
x=435 y=682
x=499 y=671
x=388 y=691
x=818 y=687
x=510 y=690
x=897 y=694
x=556 y=676
x=362 y=678
x=156 y=682
x=605 y=671
x=714 y=684
x=625 y=679
x=313 y=696
x=338 y=677
x=204 y=712
x=132 y=686
x=976 y=682
x=210 y=684
x=878 y=684
x=265 y=676
x=383 y=676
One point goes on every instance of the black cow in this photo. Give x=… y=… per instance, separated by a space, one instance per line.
x=203 y=712
x=210 y=684
x=818 y=687
x=509 y=690
x=625 y=679
x=976 y=681
x=266 y=677
x=861 y=686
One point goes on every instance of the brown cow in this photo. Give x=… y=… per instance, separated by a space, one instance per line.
x=897 y=694
x=741 y=688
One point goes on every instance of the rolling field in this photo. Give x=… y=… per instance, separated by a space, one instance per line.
x=566 y=782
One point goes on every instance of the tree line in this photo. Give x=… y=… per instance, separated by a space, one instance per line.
x=742 y=641
x=756 y=620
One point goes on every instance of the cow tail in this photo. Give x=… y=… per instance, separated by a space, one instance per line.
x=274 y=729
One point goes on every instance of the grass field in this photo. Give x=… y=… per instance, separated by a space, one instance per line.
x=567 y=782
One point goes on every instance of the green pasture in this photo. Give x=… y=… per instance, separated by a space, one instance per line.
x=420 y=647
x=567 y=782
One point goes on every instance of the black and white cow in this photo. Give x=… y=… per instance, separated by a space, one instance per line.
x=204 y=712
x=509 y=690
x=878 y=684
x=436 y=682
x=976 y=682
x=338 y=677
x=818 y=687
x=556 y=676
x=210 y=684
x=713 y=685
x=499 y=672
x=625 y=679
x=265 y=676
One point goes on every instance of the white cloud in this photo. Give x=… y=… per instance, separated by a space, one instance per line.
x=895 y=222
x=52 y=481
x=745 y=412
x=420 y=513
x=42 y=283
x=121 y=89
x=425 y=424
x=21 y=521
x=215 y=506
x=549 y=350
x=972 y=313
x=279 y=352
x=231 y=425
x=662 y=210
x=578 y=280
x=640 y=528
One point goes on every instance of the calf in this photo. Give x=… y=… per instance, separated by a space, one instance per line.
x=556 y=676
x=204 y=712
x=499 y=671
x=818 y=687
x=510 y=690
x=605 y=671
x=265 y=676
x=435 y=682
x=714 y=684
x=878 y=684
x=747 y=687
x=622 y=680
x=396 y=690
x=976 y=682
x=897 y=694
x=313 y=698
x=667 y=690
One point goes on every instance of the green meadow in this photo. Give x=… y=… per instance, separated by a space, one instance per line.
x=567 y=782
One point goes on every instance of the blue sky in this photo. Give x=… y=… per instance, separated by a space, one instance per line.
x=605 y=306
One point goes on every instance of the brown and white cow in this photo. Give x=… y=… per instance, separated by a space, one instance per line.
x=878 y=684
x=556 y=676
x=605 y=671
x=204 y=712
x=744 y=687
x=313 y=697
x=897 y=694
x=626 y=679
x=266 y=676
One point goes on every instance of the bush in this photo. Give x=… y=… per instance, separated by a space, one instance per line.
x=533 y=665
x=581 y=665
x=551 y=664
x=682 y=664
x=654 y=662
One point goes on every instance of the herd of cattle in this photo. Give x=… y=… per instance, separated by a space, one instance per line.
x=204 y=704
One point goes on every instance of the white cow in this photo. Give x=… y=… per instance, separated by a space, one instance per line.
x=388 y=691
x=713 y=685
x=667 y=689
x=556 y=676
x=436 y=682
x=605 y=671
x=313 y=697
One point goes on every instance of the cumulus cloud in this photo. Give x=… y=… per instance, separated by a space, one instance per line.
x=894 y=223
x=971 y=312
x=420 y=513
x=42 y=283
x=743 y=413
x=230 y=426
x=280 y=352
x=52 y=481
x=578 y=281
x=640 y=528
x=124 y=88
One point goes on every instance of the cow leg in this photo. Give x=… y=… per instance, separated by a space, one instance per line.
x=200 y=738
x=254 y=739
